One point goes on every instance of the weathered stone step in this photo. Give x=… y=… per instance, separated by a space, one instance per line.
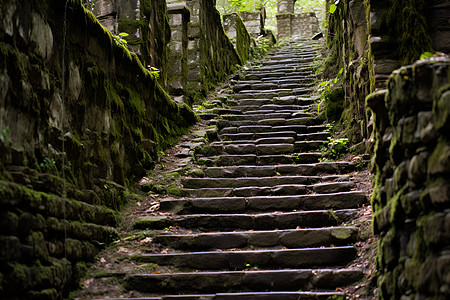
x=265 y=140
x=280 y=170
x=268 y=86
x=248 y=296
x=273 y=74
x=226 y=111
x=242 y=281
x=301 y=56
x=259 y=221
x=255 y=94
x=271 y=99
x=196 y=183
x=291 y=238
x=269 y=122
x=255 y=136
x=260 y=160
x=259 y=149
x=263 y=259
x=282 y=68
x=341 y=200
x=286 y=189
x=271 y=107
x=268 y=111
x=300 y=129
x=316 y=136
x=264 y=116
x=302 y=61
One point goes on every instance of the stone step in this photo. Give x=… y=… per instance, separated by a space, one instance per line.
x=316 y=136
x=343 y=200
x=274 y=74
x=301 y=62
x=243 y=281
x=282 y=79
x=215 y=149
x=300 y=129
x=292 y=57
x=260 y=160
x=270 y=122
x=263 y=259
x=255 y=136
x=269 y=99
x=259 y=221
x=269 y=111
x=257 y=94
x=277 y=190
x=196 y=183
x=248 y=296
x=226 y=111
x=264 y=140
x=291 y=238
x=272 y=107
x=279 y=170
x=269 y=85
x=264 y=116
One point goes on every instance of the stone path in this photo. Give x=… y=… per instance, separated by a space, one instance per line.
x=263 y=218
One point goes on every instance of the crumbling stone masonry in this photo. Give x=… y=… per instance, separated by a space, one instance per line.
x=79 y=117
x=411 y=199
x=303 y=25
x=209 y=54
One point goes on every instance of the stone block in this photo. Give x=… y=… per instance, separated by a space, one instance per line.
x=175 y=19
x=441 y=113
x=104 y=8
x=439 y=161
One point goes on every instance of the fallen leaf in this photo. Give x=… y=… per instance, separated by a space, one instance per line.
x=88 y=282
x=154 y=206
x=102 y=260
x=146 y=241
x=165 y=251
x=122 y=249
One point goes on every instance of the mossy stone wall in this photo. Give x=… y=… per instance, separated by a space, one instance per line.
x=371 y=39
x=77 y=123
x=411 y=199
x=218 y=57
x=238 y=35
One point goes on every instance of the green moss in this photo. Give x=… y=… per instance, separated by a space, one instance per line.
x=406 y=22
x=174 y=190
x=334 y=103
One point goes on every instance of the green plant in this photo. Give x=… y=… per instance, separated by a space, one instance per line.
x=120 y=38
x=48 y=165
x=155 y=72
x=426 y=55
x=5 y=135
x=335 y=148
x=333 y=7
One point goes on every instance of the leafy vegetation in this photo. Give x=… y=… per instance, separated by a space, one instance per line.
x=334 y=148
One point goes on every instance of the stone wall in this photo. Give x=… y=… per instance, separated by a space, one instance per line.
x=179 y=18
x=304 y=25
x=77 y=123
x=146 y=24
x=217 y=54
x=411 y=199
x=369 y=40
x=238 y=35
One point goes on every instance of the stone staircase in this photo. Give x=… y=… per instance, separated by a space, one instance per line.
x=264 y=219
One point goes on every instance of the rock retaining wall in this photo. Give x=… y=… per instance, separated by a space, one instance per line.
x=77 y=122
x=411 y=199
